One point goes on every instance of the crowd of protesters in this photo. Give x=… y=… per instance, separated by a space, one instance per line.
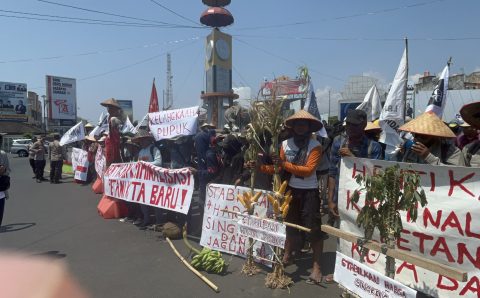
x=309 y=162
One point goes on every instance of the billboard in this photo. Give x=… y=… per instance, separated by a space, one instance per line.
x=344 y=107
x=127 y=107
x=62 y=98
x=13 y=102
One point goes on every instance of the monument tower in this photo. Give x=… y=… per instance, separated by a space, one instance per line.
x=218 y=95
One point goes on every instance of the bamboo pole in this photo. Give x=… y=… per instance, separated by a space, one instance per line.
x=202 y=277
x=285 y=223
x=411 y=258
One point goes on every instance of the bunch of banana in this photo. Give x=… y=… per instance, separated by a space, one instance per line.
x=280 y=200
x=248 y=200
x=210 y=261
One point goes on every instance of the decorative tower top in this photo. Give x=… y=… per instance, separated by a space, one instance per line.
x=216 y=16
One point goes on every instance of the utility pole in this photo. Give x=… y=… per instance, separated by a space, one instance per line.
x=328 y=120
x=169 y=88
x=45 y=119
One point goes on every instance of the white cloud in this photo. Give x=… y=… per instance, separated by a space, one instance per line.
x=413 y=79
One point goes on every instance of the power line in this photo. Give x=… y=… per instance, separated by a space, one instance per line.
x=359 y=38
x=178 y=15
x=89 y=23
x=105 y=13
x=386 y=10
x=89 y=20
x=100 y=51
x=126 y=66
x=287 y=60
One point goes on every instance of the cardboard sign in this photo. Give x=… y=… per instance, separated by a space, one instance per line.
x=447 y=230
x=144 y=183
x=100 y=161
x=367 y=282
x=264 y=230
x=172 y=123
x=220 y=229
x=80 y=164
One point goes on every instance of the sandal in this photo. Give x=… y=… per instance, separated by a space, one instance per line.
x=329 y=279
x=312 y=281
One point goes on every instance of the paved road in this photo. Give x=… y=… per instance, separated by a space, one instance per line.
x=114 y=259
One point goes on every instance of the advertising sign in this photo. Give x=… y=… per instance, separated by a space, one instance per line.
x=61 y=98
x=127 y=107
x=13 y=102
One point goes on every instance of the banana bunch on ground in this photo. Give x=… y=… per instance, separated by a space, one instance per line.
x=210 y=261
x=280 y=200
x=248 y=200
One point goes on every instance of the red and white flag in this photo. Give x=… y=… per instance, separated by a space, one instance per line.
x=153 y=106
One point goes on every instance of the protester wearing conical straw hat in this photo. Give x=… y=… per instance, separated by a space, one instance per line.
x=149 y=153
x=299 y=158
x=112 y=142
x=471 y=115
x=433 y=142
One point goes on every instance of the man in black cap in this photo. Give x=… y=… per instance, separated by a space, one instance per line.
x=353 y=143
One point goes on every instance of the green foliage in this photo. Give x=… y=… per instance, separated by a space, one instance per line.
x=386 y=194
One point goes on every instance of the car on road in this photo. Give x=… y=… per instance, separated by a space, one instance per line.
x=20 y=147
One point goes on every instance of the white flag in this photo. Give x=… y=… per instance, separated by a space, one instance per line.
x=391 y=117
x=312 y=107
x=143 y=122
x=436 y=103
x=102 y=125
x=128 y=127
x=371 y=104
x=74 y=134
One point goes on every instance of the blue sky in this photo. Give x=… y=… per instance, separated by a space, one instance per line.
x=335 y=39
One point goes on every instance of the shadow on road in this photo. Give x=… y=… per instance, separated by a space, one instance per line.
x=54 y=254
x=16 y=227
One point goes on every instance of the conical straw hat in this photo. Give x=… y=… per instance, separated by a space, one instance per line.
x=372 y=126
x=428 y=124
x=111 y=102
x=315 y=124
x=471 y=114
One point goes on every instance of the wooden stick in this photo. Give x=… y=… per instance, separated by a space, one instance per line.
x=409 y=257
x=286 y=223
x=202 y=277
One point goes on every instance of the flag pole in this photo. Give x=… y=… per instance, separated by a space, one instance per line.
x=406 y=85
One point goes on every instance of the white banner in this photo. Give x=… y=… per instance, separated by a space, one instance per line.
x=74 y=134
x=262 y=229
x=220 y=230
x=371 y=104
x=80 y=163
x=436 y=103
x=100 y=161
x=367 y=282
x=62 y=98
x=391 y=117
x=172 y=123
x=144 y=183
x=447 y=229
